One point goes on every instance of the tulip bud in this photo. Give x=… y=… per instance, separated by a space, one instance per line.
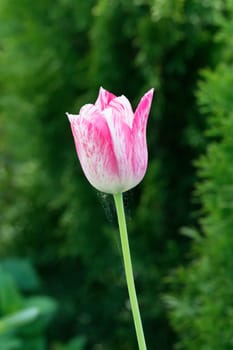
x=110 y=141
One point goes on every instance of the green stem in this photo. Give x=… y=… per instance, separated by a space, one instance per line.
x=129 y=271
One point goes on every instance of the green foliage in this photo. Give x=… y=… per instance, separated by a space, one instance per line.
x=23 y=320
x=202 y=307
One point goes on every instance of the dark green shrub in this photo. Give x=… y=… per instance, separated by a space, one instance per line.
x=202 y=307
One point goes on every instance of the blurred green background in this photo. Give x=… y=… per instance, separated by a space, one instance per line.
x=62 y=284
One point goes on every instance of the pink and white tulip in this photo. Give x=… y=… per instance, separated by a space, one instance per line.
x=110 y=141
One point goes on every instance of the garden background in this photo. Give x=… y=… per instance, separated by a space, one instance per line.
x=59 y=245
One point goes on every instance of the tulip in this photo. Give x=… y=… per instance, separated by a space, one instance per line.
x=111 y=145
x=110 y=141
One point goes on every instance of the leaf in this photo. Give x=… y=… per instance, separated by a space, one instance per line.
x=22 y=272
x=46 y=308
x=18 y=319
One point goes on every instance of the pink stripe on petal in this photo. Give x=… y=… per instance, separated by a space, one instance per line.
x=96 y=154
x=104 y=98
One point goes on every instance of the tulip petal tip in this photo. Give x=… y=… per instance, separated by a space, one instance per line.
x=150 y=92
x=71 y=117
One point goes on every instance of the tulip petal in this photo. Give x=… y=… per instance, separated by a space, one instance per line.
x=95 y=151
x=104 y=99
x=87 y=111
x=121 y=135
x=140 y=156
x=142 y=112
x=123 y=108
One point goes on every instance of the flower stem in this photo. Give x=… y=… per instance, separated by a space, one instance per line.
x=118 y=198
